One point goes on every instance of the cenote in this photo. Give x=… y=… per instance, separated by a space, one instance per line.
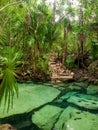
x=55 y=43
x=46 y=106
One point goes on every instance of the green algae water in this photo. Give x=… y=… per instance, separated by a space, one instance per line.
x=44 y=106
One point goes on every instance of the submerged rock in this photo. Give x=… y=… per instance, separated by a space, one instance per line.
x=31 y=96
x=68 y=95
x=78 y=86
x=92 y=89
x=82 y=121
x=75 y=119
x=81 y=84
x=6 y=127
x=67 y=114
x=46 y=117
x=74 y=87
x=84 y=101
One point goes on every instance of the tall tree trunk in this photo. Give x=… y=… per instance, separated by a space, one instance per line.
x=64 y=47
x=81 y=37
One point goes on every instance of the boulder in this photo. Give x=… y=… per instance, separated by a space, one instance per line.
x=31 y=96
x=84 y=101
x=46 y=117
x=6 y=127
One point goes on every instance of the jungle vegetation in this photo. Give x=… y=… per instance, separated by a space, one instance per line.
x=31 y=30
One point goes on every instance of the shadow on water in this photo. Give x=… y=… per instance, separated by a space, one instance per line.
x=31 y=127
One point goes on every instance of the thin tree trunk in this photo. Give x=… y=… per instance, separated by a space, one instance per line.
x=54 y=10
x=81 y=42
x=64 y=47
x=81 y=37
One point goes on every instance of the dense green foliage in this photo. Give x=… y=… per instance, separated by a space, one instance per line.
x=31 y=30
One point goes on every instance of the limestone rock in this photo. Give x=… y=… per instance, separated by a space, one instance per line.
x=6 y=127
x=92 y=89
x=74 y=87
x=31 y=96
x=78 y=86
x=46 y=117
x=82 y=121
x=65 y=116
x=75 y=119
x=84 y=101
x=68 y=95
x=81 y=84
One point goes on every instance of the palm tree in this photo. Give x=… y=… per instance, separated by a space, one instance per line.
x=10 y=60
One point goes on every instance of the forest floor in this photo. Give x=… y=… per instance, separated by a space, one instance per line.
x=82 y=74
x=59 y=72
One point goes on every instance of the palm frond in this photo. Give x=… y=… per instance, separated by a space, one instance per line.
x=9 y=87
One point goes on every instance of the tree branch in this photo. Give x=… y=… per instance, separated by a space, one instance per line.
x=9 y=4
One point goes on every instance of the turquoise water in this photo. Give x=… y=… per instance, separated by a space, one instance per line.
x=45 y=106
